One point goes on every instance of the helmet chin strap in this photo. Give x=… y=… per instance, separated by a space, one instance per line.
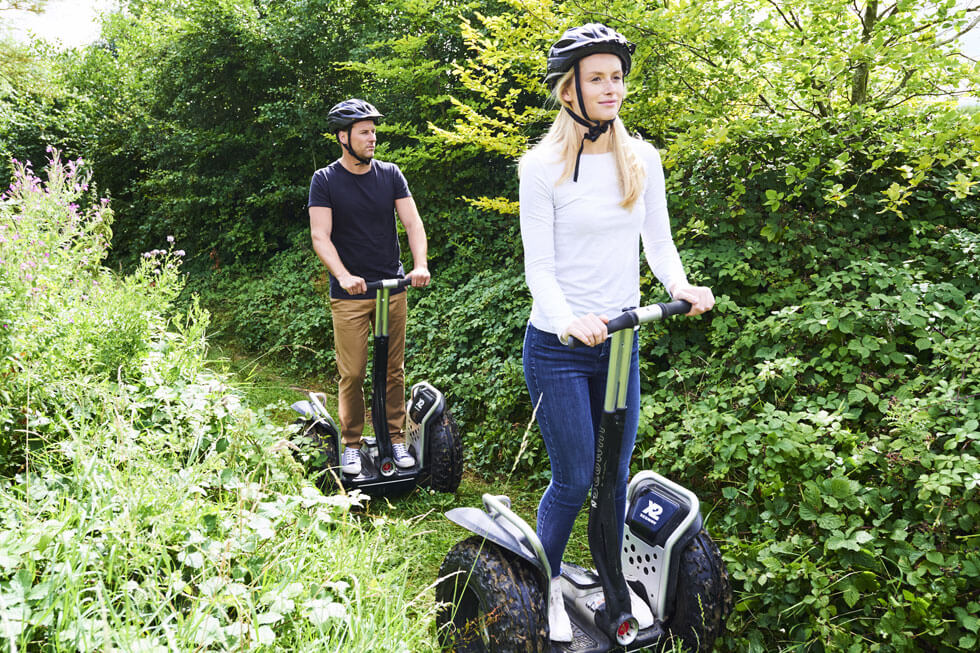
x=596 y=127
x=360 y=161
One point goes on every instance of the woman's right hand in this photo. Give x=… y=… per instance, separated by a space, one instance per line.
x=588 y=329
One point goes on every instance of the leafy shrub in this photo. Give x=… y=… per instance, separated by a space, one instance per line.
x=67 y=319
x=143 y=505
x=827 y=408
x=466 y=340
x=281 y=309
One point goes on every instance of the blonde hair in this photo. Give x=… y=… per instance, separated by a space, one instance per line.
x=564 y=138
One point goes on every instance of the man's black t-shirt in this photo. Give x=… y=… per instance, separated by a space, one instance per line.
x=363 y=231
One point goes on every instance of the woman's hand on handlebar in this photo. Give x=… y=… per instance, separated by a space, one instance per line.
x=353 y=285
x=701 y=298
x=420 y=276
x=589 y=330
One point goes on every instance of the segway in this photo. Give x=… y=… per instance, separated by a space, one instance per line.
x=494 y=587
x=431 y=434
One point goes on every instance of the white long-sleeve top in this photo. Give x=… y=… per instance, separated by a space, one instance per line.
x=581 y=248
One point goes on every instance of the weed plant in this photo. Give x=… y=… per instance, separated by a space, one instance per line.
x=144 y=505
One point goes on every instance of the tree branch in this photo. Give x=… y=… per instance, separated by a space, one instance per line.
x=794 y=24
x=973 y=23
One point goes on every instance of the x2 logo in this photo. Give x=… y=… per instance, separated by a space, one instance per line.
x=653 y=512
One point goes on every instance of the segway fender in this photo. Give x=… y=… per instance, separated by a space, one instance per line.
x=305 y=409
x=313 y=409
x=478 y=522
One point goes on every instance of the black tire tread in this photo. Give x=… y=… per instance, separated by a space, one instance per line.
x=445 y=455
x=477 y=576
x=704 y=596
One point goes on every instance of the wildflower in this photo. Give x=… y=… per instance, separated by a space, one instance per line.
x=179 y=252
x=170 y=239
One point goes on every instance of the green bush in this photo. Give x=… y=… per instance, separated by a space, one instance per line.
x=143 y=505
x=67 y=320
x=280 y=310
x=827 y=408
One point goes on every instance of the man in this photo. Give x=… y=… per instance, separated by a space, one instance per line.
x=351 y=206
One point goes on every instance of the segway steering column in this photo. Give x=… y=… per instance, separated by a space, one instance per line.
x=379 y=416
x=615 y=618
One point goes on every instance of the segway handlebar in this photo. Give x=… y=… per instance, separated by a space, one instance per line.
x=389 y=283
x=633 y=317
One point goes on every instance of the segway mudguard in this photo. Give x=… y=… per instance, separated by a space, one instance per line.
x=314 y=409
x=504 y=528
x=661 y=518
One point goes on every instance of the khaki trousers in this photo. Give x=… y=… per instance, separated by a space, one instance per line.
x=353 y=322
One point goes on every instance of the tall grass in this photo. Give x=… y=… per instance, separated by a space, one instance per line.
x=144 y=505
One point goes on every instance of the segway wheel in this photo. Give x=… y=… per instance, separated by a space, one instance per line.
x=491 y=600
x=704 y=596
x=445 y=455
x=320 y=447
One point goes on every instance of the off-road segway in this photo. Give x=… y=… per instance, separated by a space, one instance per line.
x=494 y=586
x=431 y=433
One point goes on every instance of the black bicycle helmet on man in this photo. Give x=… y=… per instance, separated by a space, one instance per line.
x=344 y=114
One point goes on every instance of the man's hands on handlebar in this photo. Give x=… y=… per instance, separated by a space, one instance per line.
x=420 y=276
x=355 y=285
x=352 y=284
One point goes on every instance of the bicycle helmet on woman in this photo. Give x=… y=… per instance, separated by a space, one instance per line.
x=574 y=45
x=579 y=42
x=344 y=114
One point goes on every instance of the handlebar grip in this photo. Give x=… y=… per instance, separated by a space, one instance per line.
x=389 y=283
x=676 y=307
x=629 y=319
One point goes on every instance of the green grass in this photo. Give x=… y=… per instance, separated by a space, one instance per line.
x=264 y=384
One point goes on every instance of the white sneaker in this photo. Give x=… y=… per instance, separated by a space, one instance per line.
x=402 y=458
x=558 y=623
x=640 y=610
x=350 y=462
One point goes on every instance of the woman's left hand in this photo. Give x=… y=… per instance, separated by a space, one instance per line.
x=701 y=298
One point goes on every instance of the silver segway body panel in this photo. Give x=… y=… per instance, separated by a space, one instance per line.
x=424 y=408
x=661 y=518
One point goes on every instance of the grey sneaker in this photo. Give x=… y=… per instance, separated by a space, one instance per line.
x=350 y=462
x=402 y=458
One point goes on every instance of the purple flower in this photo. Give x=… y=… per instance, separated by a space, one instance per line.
x=179 y=252
x=170 y=239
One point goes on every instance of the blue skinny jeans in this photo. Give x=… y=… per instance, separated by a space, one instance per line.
x=571 y=385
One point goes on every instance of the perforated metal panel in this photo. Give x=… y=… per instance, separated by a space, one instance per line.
x=645 y=563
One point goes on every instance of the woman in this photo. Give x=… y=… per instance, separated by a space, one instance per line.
x=589 y=193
